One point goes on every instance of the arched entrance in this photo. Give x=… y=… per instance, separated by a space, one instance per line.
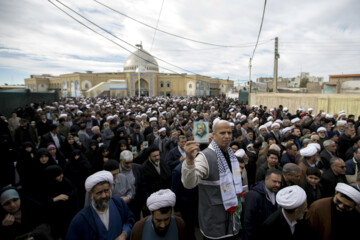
x=144 y=88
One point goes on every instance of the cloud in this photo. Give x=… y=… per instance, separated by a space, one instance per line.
x=320 y=37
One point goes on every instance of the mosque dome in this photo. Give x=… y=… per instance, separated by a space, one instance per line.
x=141 y=58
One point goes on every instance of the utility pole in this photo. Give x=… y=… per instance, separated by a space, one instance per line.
x=250 y=75
x=276 y=57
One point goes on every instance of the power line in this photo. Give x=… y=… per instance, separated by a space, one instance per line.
x=157 y=25
x=115 y=37
x=262 y=20
x=165 y=32
x=214 y=48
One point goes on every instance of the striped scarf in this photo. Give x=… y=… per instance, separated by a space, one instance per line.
x=230 y=182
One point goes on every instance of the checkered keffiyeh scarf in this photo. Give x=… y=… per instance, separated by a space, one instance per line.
x=230 y=182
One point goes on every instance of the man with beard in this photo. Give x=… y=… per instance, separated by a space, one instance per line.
x=260 y=203
x=201 y=130
x=336 y=217
x=287 y=222
x=291 y=174
x=345 y=141
x=160 y=141
x=177 y=154
x=156 y=172
x=297 y=133
x=321 y=131
x=25 y=133
x=332 y=176
x=160 y=224
x=107 y=217
x=135 y=176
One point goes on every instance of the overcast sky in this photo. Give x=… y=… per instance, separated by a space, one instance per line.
x=321 y=37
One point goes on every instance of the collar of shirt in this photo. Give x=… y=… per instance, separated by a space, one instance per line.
x=331 y=154
x=270 y=195
x=291 y=224
x=182 y=152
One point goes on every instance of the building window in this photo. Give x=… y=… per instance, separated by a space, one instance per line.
x=161 y=84
x=190 y=85
x=168 y=84
x=86 y=86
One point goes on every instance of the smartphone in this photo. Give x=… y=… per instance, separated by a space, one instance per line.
x=146 y=144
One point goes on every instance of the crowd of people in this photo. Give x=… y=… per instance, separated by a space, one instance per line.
x=129 y=168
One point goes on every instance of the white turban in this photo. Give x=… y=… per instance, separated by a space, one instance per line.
x=279 y=121
x=143 y=115
x=349 y=191
x=270 y=118
x=316 y=145
x=275 y=147
x=295 y=120
x=162 y=130
x=341 y=122
x=153 y=119
x=262 y=126
x=63 y=115
x=109 y=118
x=342 y=114
x=286 y=109
x=275 y=124
x=232 y=124
x=320 y=129
x=242 y=117
x=160 y=199
x=342 y=111
x=240 y=153
x=310 y=109
x=285 y=130
x=291 y=197
x=329 y=116
x=255 y=119
x=271 y=109
x=309 y=151
x=268 y=124
x=101 y=176
x=237 y=115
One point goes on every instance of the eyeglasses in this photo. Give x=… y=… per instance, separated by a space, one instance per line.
x=346 y=207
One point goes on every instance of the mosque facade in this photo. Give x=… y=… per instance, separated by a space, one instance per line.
x=141 y=67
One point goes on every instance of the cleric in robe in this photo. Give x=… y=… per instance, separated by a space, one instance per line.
x=107 y=217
